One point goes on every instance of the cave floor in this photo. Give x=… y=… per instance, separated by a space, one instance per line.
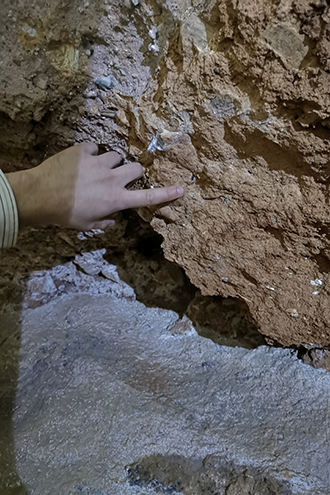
x=102 y=395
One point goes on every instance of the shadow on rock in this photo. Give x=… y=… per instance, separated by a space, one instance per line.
x=224 y=321
x=10 y=334
x=178 y=475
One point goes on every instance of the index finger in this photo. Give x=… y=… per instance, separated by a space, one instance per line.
x=148 y=197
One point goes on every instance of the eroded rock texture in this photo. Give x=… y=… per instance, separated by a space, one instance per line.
x=228 y=97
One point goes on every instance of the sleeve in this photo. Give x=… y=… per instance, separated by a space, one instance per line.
x=8 y=214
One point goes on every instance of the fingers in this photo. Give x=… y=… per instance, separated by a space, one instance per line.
x=149 y=197
x=103 y=224
x=90 y=148
x=128 y=173
x=110 y=159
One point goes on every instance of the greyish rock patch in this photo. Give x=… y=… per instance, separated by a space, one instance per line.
x=109 y=400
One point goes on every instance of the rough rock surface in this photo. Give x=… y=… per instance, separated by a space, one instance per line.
x=229 y=97
x=110 y=399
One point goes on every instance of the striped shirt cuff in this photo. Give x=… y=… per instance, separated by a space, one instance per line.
x=8 y=214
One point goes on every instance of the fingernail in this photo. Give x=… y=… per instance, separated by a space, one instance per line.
x=180 y=190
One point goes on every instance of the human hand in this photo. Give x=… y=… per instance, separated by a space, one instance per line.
x=79 y=189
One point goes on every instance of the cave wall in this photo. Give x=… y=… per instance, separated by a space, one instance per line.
x=228 y=97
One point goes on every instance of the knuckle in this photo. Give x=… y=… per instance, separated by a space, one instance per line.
x=115 y=158
x=87 y=226
x=89 y=148
x=139 y=169
x=83 y=147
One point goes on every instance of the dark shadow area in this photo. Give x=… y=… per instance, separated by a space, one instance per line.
x=224 y=321
x=141 y=264
x=314 y=356
x=176 y=474
x=10 y=333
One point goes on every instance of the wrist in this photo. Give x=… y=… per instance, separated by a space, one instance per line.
x=25 y=186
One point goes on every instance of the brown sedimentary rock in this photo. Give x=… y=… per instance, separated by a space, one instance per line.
x=254 y=222
x=231 y=99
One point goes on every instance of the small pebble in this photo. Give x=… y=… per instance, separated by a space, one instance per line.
x=109 y=113
x=106 y=82
x=153 y=47
x=91 y=94
x=153 y=33
x=292 y=312
x=157 y=143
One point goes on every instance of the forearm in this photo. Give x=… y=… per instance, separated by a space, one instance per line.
x=25 y=186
